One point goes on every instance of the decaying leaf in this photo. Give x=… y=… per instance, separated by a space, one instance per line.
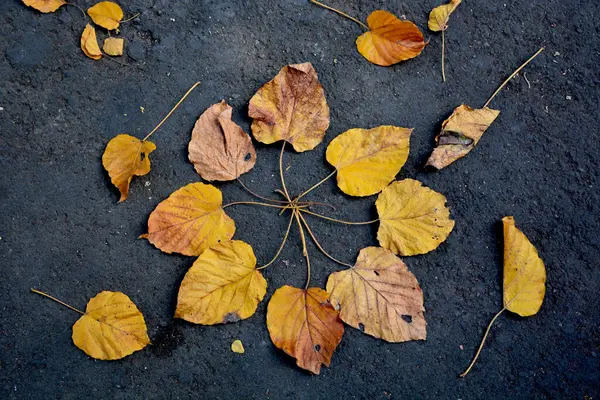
x=189 y=221
x=367 y=160
x=89 y=43
x=111 y=328
x=220 y=149
x=390 y=39
x=237 y=346
x=413 y=218
x=460 y=133
x=124 y=157
x=106 y=14
x=304 y=325
x=45 y=6
x=222 y=286
x=291 y=107
x=438 y=17
x=113 y=46
x=524 y=272
x=379 y=296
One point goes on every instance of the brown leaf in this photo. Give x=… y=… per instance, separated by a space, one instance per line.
x=220 y=150
x=460 y=133
x=291 y=107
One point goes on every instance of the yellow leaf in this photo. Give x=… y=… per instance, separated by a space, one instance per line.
x=89 y=43
x=291 y=107
x=304 y=325
x=106 y=14
x=524 y=272
x=124 y=157
x=379 y=296
x=413 y=218
x=220 y=149
x=45 y=6
x=367 y=160
x=190 y=221
x=460 y=133
x=113 y=46
x=438 y=17
x=390 y=40
x=222 y=286
x=112 y=327
x=237 y=347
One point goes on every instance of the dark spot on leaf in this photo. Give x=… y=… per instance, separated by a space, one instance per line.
x=142 y=156
x=407 y=318
x=376 y=273
x=453 y=138
x=231 y=317
x=247 y=157
x=361 y=327
x=317 y=347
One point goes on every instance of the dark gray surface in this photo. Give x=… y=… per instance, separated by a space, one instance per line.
x=62 y=230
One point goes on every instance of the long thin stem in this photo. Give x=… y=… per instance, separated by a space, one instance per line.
x=256 y=203
x=258 y=195
x=130 y=18
x=487 y=331
x=312 y=235
x=443 y=51
x=57 y=300
x=287 y=232
x=512 y=76
x=339 y=220
x=285 y=191
x=315 y=185
x=80 y=9
x=304 y=249
x=339 y=12
x=172 y=110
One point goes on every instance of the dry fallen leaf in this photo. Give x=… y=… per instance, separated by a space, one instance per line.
x=367 y=160
x=220 y=150
x=111 y=328
x=379 y=296
x=113 y=46
x=189 y=221
x=89 y=43
x=304 y=325
x=124 y=157
x=460 y=133
x=291 y=107
x=106 y=14
x=438 y=17
x=45 y=6
x=413 y=218
x=222 y=286
x=237 y=347
x=390 y=39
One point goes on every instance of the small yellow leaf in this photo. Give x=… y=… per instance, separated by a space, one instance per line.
x=222 y=286
x=379 y=296
x=367 y=160
x=124 y=157
x=89 y=43
x=413 y=218
x=438 y=17
x=112 y=327
x=237 y=347
x=113 y=46
x=524 y=272
x=106 y=14
x=304 y=325
x=190 y=221
x=45 y=6
x=390 y=40
x=460 y=133
x=291 y=107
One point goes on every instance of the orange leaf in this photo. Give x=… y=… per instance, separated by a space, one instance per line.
x=106 y=14
x=291 y=107
x=390 y=40
x=304 y=325
x=124 y=157
x=220 y=150
x=45 y=6
x=113 y=46
x=89 y=43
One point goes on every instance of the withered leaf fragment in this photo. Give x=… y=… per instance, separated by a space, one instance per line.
x=460 y=133
x=45 y=6
x=113 y=46
x=220 y=150
x=89 y=43
x=291 y=107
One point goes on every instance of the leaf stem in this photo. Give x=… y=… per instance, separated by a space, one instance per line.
x=487 y=331
x=287 y=232
x=340 y=13
x=512 y=76
x=443 y=51
x=304 y=249
x=80 y=9
x=285 y=191
x=130 y=18
x=256 y=203
x=57 y=300
x=258 y=195
x=310 y=232
x=172 y=110
x=316 y=185
x=339 y=220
